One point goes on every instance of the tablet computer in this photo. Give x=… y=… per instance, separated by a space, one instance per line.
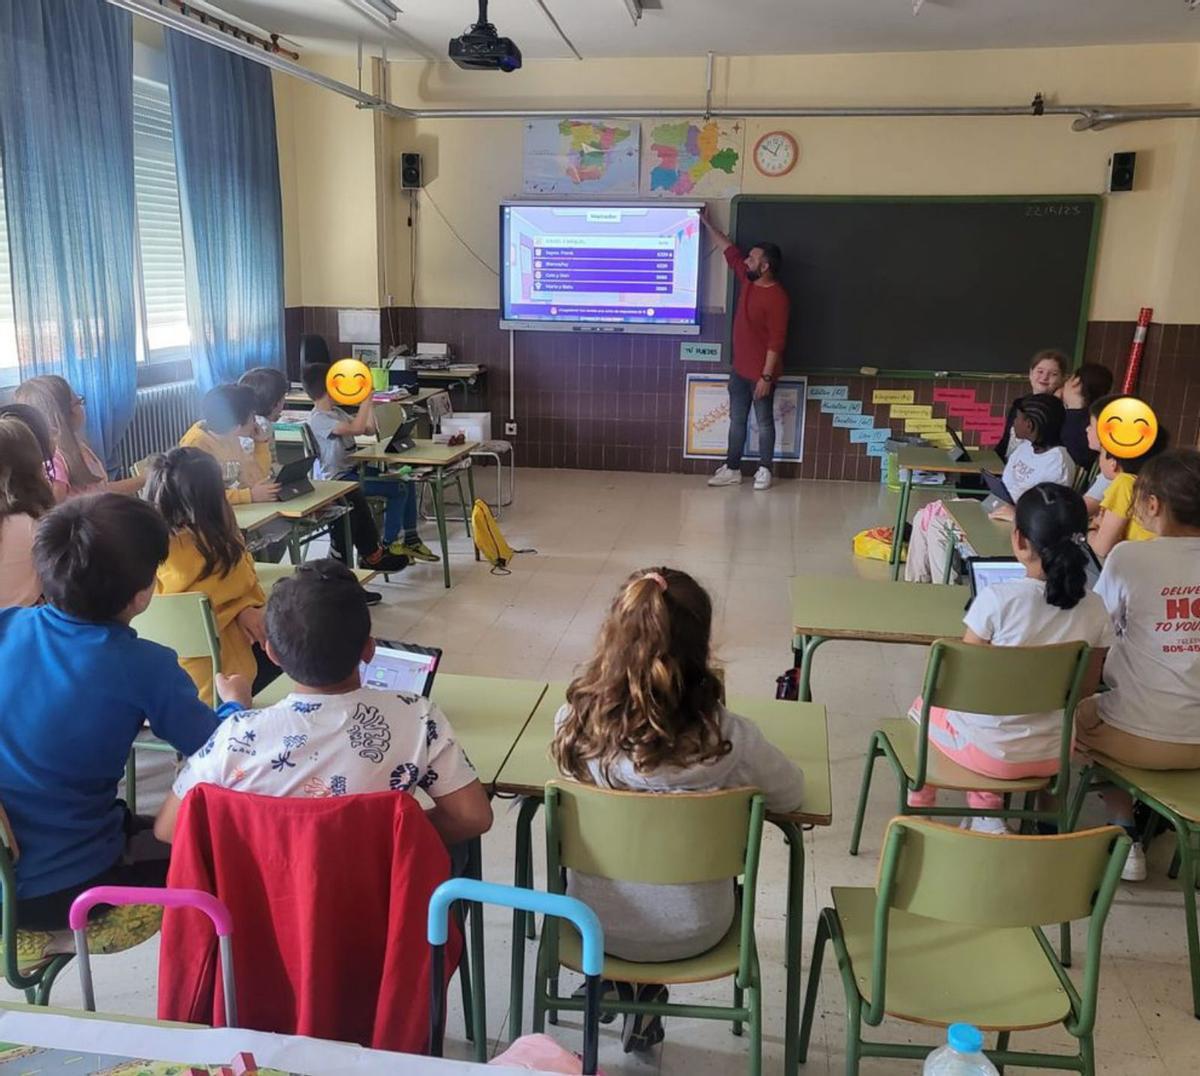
x=959 y=453
x=983 y=572
x=996 y=487
x=401 y=667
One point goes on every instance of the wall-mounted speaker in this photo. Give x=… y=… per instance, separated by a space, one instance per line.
x=410 y=171
x=1120 y=171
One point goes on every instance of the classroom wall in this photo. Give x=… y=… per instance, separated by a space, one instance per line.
x=617 y=402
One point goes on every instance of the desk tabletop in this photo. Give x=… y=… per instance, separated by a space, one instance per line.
x=88 y=1042
x=324 y=493
x=249 y=516
x=874 y=610
x=424 y=454
x=798 y=729
x=487 y=713
x=938 y=460
x=270 y=574
x=988 y=537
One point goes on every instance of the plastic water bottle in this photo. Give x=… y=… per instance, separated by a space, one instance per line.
x=961 y=1056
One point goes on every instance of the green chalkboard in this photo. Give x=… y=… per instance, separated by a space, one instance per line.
x=928 y=285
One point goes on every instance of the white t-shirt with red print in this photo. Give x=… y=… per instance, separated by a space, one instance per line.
x=1152 y=591
x=1026 y=468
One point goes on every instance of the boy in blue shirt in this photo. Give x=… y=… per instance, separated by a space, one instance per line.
x=76 y=686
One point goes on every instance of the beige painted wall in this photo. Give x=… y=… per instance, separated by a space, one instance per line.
x=327 y=165
x=471 y=164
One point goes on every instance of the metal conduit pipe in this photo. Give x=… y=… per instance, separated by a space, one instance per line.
x=1089 y=117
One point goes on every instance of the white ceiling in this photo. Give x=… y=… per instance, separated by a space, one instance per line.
x=730 y=27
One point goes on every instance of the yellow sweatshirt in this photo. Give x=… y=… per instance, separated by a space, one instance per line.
x=182 y=571
x=227 y=448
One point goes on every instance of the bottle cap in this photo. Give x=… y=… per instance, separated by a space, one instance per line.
x=965 y=1038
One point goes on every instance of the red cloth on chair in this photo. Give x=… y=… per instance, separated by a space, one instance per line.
x=329 y=899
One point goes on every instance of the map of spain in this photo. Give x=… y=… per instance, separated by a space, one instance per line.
x=581 y=156
x=694 y=157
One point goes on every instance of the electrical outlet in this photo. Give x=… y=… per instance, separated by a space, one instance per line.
x=510 y=429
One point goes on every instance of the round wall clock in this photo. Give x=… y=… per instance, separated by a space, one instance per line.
x=776 y=153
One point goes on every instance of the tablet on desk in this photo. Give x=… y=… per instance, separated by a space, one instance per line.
x=402 y=439
x=293 y=478
x=401 y=667
x=996 y=487
x=959 y=453
x=983 y=572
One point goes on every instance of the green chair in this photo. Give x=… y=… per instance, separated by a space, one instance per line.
x=183 y=623
x=1173 y=795
x=982 y=680
x=33 y=959
x=953 y=934
x=680 y=839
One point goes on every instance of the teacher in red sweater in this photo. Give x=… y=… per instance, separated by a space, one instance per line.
x=759 y=334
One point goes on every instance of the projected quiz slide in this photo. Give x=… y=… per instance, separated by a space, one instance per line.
x=615 y=264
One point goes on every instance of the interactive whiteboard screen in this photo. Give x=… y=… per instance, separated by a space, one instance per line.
x=600 y=267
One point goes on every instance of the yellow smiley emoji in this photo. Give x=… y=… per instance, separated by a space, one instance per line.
x=1127 y=428
x=349 y=381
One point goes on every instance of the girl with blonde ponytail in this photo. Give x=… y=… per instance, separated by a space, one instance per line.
x=646 y=714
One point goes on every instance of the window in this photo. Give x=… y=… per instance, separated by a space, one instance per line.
x=8 y=321
x=163 y=324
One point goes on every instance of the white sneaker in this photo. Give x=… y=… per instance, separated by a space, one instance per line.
x=725 y=477
x=1135 y=866
x=994 y=826
x=762 y=478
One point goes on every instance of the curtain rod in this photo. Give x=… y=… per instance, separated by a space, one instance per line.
x=1088 y=117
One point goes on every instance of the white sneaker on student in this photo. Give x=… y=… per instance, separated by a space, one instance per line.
x=1135 y=866
x=994 y=826
x=725 y=477
x=762 y=478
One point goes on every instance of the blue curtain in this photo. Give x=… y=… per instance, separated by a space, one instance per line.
x=66 y=133
x=228 y=166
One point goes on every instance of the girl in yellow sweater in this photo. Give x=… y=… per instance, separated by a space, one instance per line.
x=207 y=554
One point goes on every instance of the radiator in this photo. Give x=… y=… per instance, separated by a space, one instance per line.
x=161 y=416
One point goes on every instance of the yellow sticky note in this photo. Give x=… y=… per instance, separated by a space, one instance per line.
x=924 y=425
x=911 y=411
x=892 y=396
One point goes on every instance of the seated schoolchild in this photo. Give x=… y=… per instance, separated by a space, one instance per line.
x=208 y=555
x=1150 y=718
x=331 y=736
x=227 y=425
x=78 y=685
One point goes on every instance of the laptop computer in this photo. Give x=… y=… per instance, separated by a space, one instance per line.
x=402 y=439
x=293 y=478
x=959 y=453
x=983 y=572
x=401 y=667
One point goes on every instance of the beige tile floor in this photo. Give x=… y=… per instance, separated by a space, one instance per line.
x=591 y=529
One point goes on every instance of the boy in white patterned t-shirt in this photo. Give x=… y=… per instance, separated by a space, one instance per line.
x=331 y=736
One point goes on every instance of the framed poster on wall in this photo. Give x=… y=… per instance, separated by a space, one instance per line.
x=706 y=418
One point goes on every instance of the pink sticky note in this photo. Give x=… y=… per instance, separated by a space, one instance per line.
x=953 y=395
x=963 y=408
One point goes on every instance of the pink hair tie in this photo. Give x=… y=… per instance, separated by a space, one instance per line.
x=658 y=578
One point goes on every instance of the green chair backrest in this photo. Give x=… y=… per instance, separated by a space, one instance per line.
x=660 y=838
x=1004 y=679
x=184 y=623
x=956 y=876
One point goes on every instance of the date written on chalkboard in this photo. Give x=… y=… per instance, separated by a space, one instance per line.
x=1041 y=210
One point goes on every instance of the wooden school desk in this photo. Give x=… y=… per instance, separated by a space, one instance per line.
x=868 y=610
x=798 y=730
x=440 y=458
x=986 y=537
x=936 y=461
x=324 y=493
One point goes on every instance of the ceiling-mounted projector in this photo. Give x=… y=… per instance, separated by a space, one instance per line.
x=482 y=49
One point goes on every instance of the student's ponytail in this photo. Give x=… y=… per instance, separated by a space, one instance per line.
x=1053 y=519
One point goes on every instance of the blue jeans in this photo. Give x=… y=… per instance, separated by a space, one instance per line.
x=400 y=515
x=741 y=396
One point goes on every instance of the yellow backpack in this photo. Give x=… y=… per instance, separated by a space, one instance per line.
x=488 y=539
